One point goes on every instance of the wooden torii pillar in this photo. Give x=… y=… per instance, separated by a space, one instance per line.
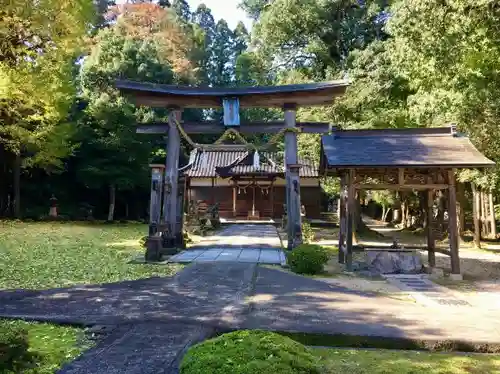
x=287 y=98
x=292 y=178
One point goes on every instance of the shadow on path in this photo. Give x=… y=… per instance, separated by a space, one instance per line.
x=203 y=293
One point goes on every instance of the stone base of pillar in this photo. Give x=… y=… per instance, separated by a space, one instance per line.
x=53 y=212
x=153 y=249
x=456 y=277
x=172 y=244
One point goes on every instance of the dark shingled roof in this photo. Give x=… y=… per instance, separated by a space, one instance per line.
x=226 y=163
x=416 y=147
x=306 y=94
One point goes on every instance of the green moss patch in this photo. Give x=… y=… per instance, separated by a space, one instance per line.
x=58 y=254
x=351 y=361
x=39 y=348
x=250 y=352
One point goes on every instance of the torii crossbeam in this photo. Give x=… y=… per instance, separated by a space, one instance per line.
x=176 y=98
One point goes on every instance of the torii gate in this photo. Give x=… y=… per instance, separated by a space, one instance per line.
x=287 y=97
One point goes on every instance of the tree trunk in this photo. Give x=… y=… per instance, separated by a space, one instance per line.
x=484 y=215
x=476 y=216
x=112 y=198
x=384 y=218
x=461 y=208
x=383 y=213
x=403 y=212
x=492 y=216
x=440 y=214
x=396 y=216
x=17 y=186
x=126 y=210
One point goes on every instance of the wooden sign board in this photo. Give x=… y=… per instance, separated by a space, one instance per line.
x=231 y=111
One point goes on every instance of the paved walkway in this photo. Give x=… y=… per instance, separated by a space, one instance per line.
x=254 y=243
x=288 y=302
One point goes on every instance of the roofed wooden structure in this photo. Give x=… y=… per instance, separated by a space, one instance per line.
x=399 y=159
x=424 y=148
x=247 y=183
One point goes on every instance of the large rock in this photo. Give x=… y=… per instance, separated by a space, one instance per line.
x=394 y=262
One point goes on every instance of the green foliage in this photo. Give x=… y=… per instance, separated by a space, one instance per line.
x=46 y=255
x=37 y=348
x=307 y=233
x=314 y=36
x=249 y=352
x=308 y=259
x=449 y=52
x=40 y=42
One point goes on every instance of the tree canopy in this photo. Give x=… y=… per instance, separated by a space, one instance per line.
x=410 y=64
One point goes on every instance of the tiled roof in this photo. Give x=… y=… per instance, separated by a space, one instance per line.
x=212 y=163
x=418 y=147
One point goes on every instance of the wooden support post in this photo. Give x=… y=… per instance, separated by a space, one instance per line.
x=254 y=186
x=272 y=198
x=292 y=180
x=431 y=247
x=153 y=245
x=342 y=219
x=212 y=192
x=492 y=216
x=156 y=192
x=452 y=223
x=350 y=217
x=476 y=206
x=180 y=212
x=234 y=198
x=401 y=176
x=170 y=204
x=484 y=215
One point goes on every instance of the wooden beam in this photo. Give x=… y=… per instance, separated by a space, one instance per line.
x=399 y=187
x=452 y=223
x=150 y=98
x=350 y=217
x=244 y=128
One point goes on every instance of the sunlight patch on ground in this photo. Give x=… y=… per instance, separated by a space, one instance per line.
x=134 y=243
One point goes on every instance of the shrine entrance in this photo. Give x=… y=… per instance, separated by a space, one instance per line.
x=167 y=199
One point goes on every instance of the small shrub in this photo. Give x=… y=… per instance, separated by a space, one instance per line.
x=14 y=354
x=307 y=233
x=308 y=259
x=249 y=352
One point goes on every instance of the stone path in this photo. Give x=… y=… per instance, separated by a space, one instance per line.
x=209 y=293
x=145 y=348
x=427 y=292
x=287 y=302
x=255 y=243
